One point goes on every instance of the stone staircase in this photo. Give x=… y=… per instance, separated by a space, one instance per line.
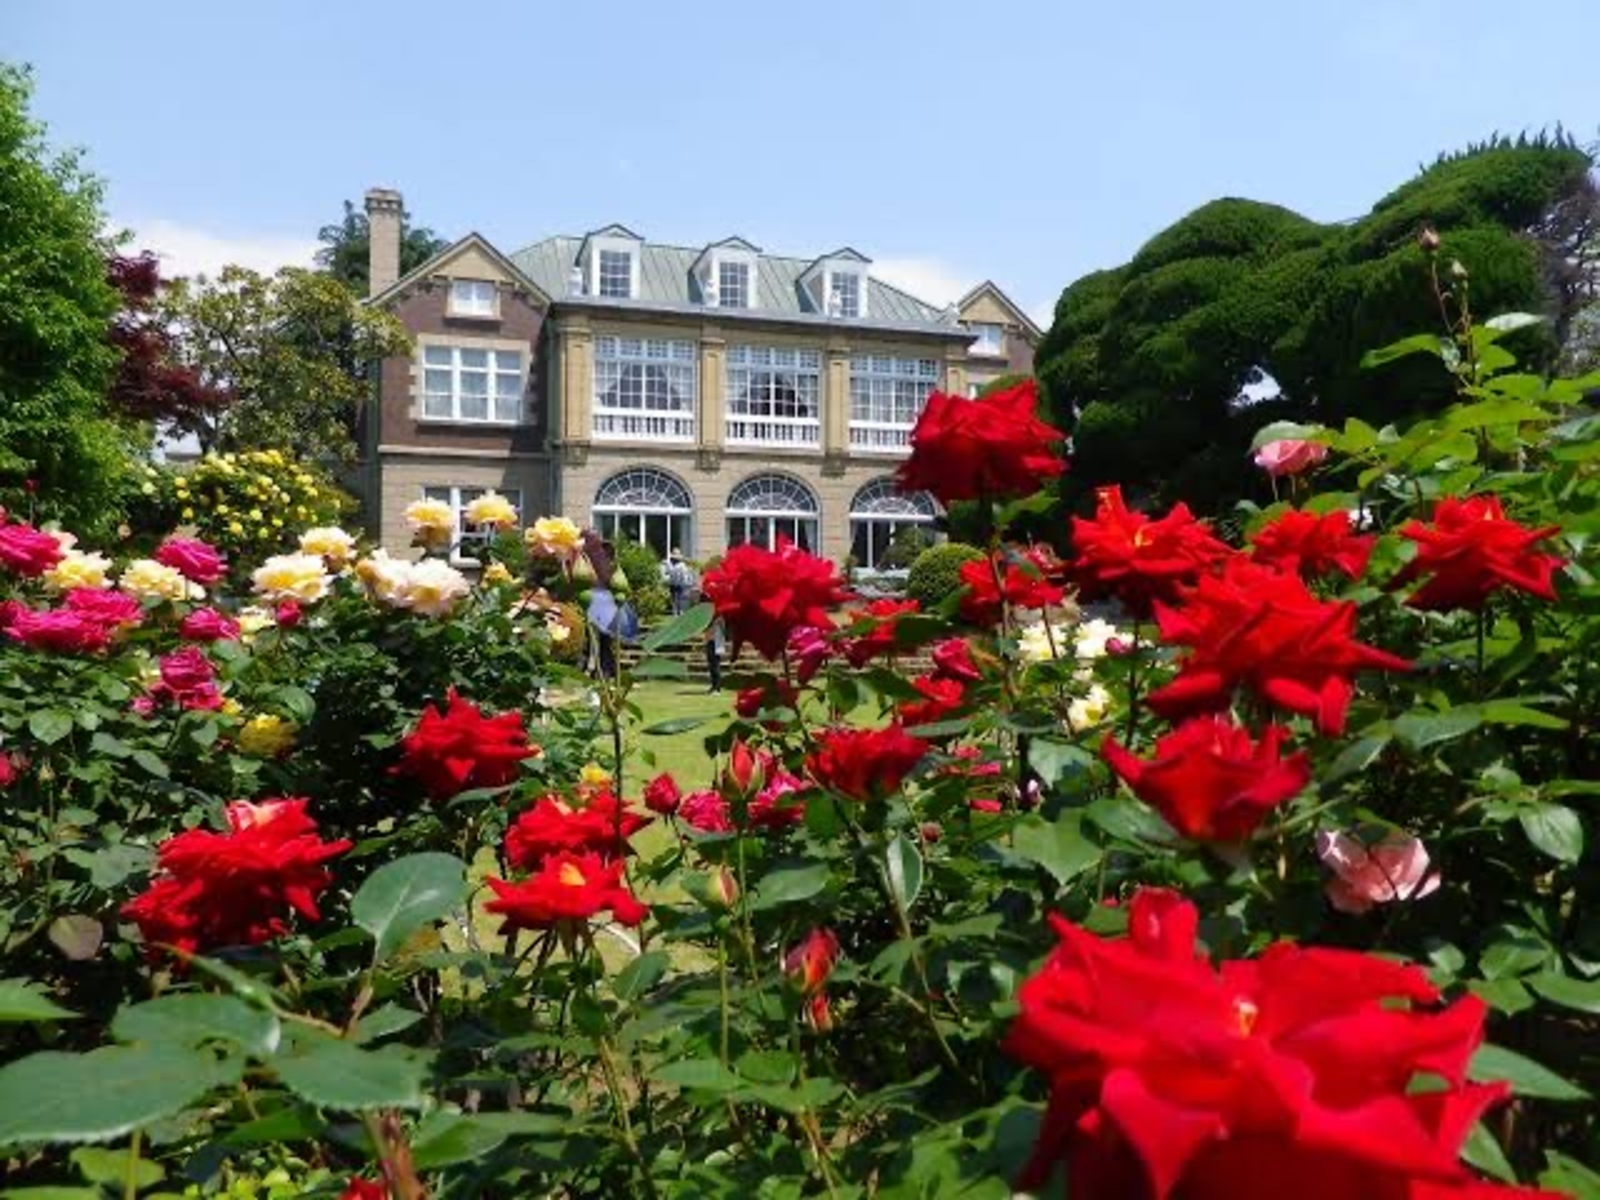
x=693 y=656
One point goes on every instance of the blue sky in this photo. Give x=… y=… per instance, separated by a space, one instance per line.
x=949 y=142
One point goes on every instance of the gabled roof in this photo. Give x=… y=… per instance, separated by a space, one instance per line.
x=665 y=274
x=473 y=241
x=1004 y=301
x=728 y=243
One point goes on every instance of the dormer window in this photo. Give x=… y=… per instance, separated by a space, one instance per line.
x=844 y=294
x=473 y=298
x=733 y=285
x=615 y=274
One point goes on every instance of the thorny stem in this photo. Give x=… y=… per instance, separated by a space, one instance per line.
x=130 y=1172
x=1133 y=683
x=608 y=1067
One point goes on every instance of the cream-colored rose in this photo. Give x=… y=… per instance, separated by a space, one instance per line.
x=382 y=576
x=334 y=545
x=252 y=620
x=430 y=514
x=301 y=577
x=150 y=580
x=554 y=537
x=492 y=509
x=432 y=588
x=497 y=572
x=1040 y=642
x=266 y=735
x=78 y=570
x=1089 y=639
x=1089 y=710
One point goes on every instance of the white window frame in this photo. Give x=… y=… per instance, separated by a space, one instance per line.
x=497 y=374
x=458 y=496
x=881 y=386
x=834 y=283
x=880 y=505
x=753 y=377
x=651 y=365
x=758 y=498
x=618 y=507
x=613 y=245
x=982 y=346
x=746 y=286
x=474 y=298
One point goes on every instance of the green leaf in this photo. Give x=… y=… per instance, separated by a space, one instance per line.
x=1055 y=760
x=1510 y=712
x=681 y=628
x=151 y=764
x=697 y=1074
x=1279 y=431
x=1481 y=1150
x=1568 y=1175
x=116 y=862
x=790 y=885
x=767 y=1066
x=47 y=1192
x=191 y=1018
x=446 y=1138
x=1526 y=1077
x=385 y=1021
x=675 y=725
x=296 y=702
x=903 y=862
x=104 y=743
x=401 y=897
x=640 y=975
x=110 y=1168
x=1060 y=847
x=1555 y=829
x=339 y=1074
x=1355 y=757
x=661 y=668
x=1581 y=994
x=1417 y=343
x=94 y=1097
x=1418 y=730
x=49 y=725
x=24 y=1000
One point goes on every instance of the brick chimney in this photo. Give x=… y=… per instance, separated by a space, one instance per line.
x=383 y=239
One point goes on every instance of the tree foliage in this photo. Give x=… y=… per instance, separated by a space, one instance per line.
x=345 y=248
x=1168 y=363
x=151 y=384
x=55 y=307
x=293 y=350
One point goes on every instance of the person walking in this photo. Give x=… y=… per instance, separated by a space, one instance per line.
x=680 y=581
x=716 y=644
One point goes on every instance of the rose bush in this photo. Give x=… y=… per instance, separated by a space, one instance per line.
x=1276 y=874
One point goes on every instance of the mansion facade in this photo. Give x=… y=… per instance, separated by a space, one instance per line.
x=684 y=397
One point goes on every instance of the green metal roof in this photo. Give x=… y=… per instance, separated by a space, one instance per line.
x=666 y=282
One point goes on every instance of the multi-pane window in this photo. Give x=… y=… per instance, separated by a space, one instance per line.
x=646 y=506
x=844 y=294
x=733 y=285
x=472 y=298
x=616 y=273
x=881 y=516
x=767 y=509
x=468 y=383
x=469 y=537
x=774 y=395
x=645 y=388
x=886 y=398
x=990 y=340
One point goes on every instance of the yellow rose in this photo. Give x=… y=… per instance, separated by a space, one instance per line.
x=382 y=576
x=594 y=775
x=432 y=588
x=555 y=537
x=334 y=545
x=292 y=577
x=430 y=515
x=492 y=509
x=148 y=579
x=266 y=736
x=1089 y=710
x=78 y=570
x=496 y=572
x=252 y=620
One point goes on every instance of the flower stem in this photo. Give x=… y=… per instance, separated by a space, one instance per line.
x=1133 y=683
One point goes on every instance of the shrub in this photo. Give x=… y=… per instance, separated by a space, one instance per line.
x=909 y=542
x=934 y=572
x=642 y=565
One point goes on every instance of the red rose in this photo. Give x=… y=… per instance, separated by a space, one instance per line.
x=781 y=801
x=864 y=763
x=602 y=826
x=1258 y=628
x=1125 y=554
x=991 y=448
x=28 y=552
x=746 y=771
x=1209 y=780
x=765 y=595
x=566 y=888
x=460 y=748
x=809 y=963
x=364 y=1189
x=1312 y=545
x=196 y=561
x=114 y=610
x=1024 y=583
x=60 y=630
x=1470 y=551
x=771 y=693
x=707 y=812
x=879 y=640
x=288 y=614
x=808 y=651
x=236 y=888
x=661 y=795
x=940 y=699
x=952 y=659
x=208 y=625
x=1286 y=1075
x=186 y=669
x=11 y=768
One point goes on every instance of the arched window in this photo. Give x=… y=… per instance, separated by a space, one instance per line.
x=647 y=506
x=880 y=514
x=765 y=508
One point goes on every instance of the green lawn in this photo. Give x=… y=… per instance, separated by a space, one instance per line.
x=681 y=753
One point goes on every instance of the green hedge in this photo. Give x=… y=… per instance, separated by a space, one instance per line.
x=934 y=573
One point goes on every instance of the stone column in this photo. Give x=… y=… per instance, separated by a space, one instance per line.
x=576 y=350
x=711 y=422
x=384 y=212
x=835 y=407
x=955 y=371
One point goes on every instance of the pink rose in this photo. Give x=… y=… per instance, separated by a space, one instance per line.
x=26 y=551
x=197 y=561
x=59 y=630
x=208 y=625
x=288 y=614
x=808 y=650
x=1289 y=456
x=186 y=670
x=1395 y=868
x=114 y=610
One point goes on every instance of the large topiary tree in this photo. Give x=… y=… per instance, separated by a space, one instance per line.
x=1161 y=366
